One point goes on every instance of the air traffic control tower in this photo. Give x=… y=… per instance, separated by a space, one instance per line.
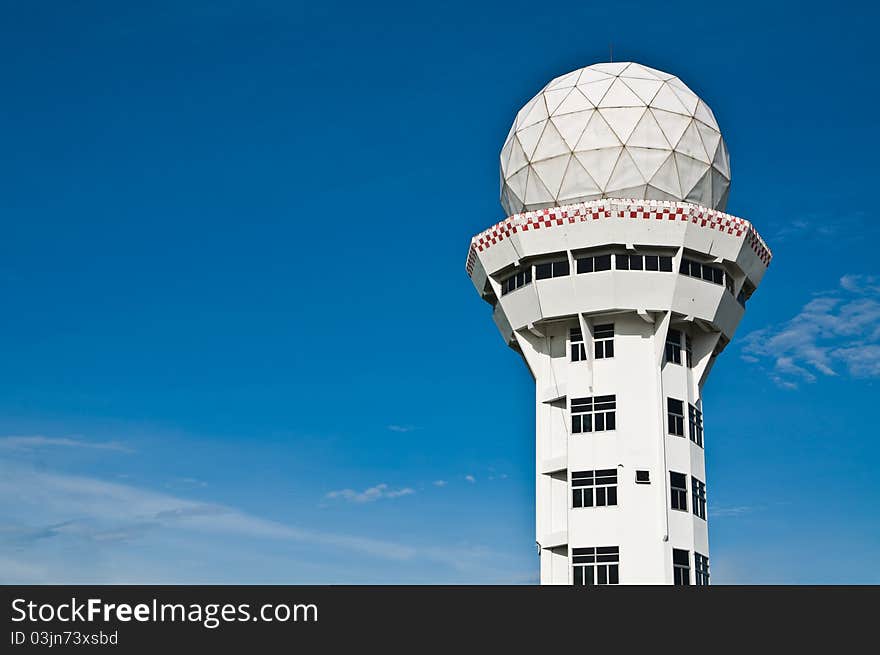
x=619 y=279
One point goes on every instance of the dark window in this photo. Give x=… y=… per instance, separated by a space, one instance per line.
x=595 y=566
x=643 y=477
x=593 y=264
x=698 y=501
x=594 y=414
x=673 y=347
x=679 y=492
x=675 y=414
x=681 y=567
x=688 y=351
x=626 y=262
x=551 y=269
x=701 y=569
x=603 y=340
x=594 y=488
x=516 y=281
x=630 y=262
x=705 y=272
x=577 y=346
x=741 y=298
x=695 y=423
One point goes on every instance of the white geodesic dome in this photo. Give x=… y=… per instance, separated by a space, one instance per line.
x=616 y=130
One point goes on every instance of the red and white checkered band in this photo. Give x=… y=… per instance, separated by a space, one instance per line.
x=660 y=210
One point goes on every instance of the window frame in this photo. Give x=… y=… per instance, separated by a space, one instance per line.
x=678 y=495
x=594 y=407
x=595 y=484
x=681 y=571
x=603 y=342
x=674 y=419
x=698 y=497
x=599 y=564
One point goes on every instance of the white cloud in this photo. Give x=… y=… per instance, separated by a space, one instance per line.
x=370 y=495
x=836 y=332
x=401 y=428
x=105 y=511
x=440 y=483
x=35 y=442
x=470 y=478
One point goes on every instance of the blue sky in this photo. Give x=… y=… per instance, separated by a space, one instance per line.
x=239 y=343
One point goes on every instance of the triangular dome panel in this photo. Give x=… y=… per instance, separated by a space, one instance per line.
x=551 y=144
x=554 y=97
x=690 y=171
x=625 y=175
x=620 y=95
x=577 y=183
x=666 y=178
x=550 y=171
x=536 y=192
x=645 y=89
x=673 y=125
x=572 y=126
x=599 y=164
x=597 y=134
x=649 y=160
x=575 y=101
x=647 y=134
x=595 y=91
x=692 y=145
x=622 y=120
x=528 y=137
x=668 y=101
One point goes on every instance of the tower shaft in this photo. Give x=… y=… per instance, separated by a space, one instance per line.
x=619 y=309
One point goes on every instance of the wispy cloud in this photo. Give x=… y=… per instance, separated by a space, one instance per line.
x=401 y=428
x=721 y=512
x=470 y=478
x=57 y=528
x=35 y=442
x=372 y=494
x=440 y=483
x=105 y=511
x=835 y=332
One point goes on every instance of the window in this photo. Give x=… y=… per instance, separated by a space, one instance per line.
x=594 y=264
x=603 y=340
x=702 y=271
x=701 y=569
x=679 y=492
x=695 y=423
x=594 y=414
x=688 y=351
x=516 y=281
x=698 y=490
x=626 y=262
x=675 y=414
x=551 y=269
x=673 y=346
x=643 y=477
x=595 y=566
x=578 y=348
x=681 y=567
x=594 y=488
